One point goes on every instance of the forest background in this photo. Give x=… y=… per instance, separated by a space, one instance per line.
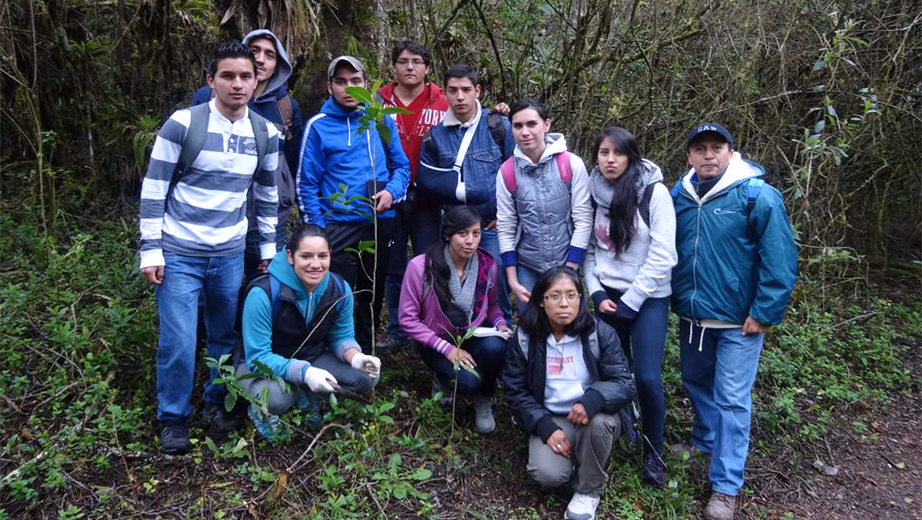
x=825 y=94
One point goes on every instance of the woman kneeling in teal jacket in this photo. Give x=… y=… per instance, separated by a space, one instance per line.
x=298 y=325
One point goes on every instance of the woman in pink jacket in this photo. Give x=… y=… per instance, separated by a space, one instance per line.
x=447 y=292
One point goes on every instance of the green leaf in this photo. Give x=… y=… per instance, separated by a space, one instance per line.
x=472 y=371
x=360 y=94
x=333 y=401
x=421 y=474
x=395 y=110
x=819 y=126
x=211 y=445
x=394 y=460
x=820 y=65
x=384 y=131
x=386 y=419
x=230 y=400
x=386 y=406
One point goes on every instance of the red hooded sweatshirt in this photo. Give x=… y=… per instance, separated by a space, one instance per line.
x=428 y=110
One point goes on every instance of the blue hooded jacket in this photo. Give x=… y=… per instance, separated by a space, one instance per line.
x=732 y=265
x=334 y=153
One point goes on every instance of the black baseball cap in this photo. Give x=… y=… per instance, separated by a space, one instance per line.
x=712 y=128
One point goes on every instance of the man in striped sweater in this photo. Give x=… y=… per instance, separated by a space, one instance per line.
x=193 y=234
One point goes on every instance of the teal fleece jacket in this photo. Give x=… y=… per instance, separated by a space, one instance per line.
x=257 y=322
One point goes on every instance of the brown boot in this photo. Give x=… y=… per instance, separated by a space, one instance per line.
x=720 y=507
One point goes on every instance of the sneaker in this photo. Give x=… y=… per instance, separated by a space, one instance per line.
x=269 y=426
x=653 y=471
x=483 y=414
x=437 y=387
x=220 y=420
x=581 y=507
x=174 y=438
x=720 y=507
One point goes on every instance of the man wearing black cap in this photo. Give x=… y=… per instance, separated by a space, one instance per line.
x=335 y=155
x=736 y=270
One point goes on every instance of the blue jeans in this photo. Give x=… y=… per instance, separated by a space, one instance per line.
x=644 y=342
x=527 y=278
x=489 y=354
x=184 y=278
x=423 y=231
x=719 y=379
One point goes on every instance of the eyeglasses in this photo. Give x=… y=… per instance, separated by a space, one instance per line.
x=555 y=297
x=403 y=62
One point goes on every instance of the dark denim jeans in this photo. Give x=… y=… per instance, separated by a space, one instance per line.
x=644 y=342
x=490 y=356
x=184 y=278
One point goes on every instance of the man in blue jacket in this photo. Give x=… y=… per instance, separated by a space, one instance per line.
x=270 y=100
x=452 y=176
x=341 y=171
x=736 y=270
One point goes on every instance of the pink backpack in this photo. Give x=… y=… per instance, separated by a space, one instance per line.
x=563 y=167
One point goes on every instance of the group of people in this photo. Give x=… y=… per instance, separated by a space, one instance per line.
x=496 y=210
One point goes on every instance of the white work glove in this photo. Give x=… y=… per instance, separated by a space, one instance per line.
x=369 y=365
x=319 y=380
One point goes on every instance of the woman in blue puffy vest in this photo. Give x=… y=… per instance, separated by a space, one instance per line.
x=298 y=326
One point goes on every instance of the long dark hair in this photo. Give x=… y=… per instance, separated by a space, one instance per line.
x=534 y=320
x=303 y=231
x=623 y=207
x=437 y=271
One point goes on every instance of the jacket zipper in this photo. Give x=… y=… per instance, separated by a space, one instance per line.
x=310 y=307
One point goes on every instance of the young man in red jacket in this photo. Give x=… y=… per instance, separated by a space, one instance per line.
x=417 y=220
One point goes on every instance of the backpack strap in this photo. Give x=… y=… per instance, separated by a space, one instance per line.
x=497 y=130
x=507 y=170
x=563 y=167
x=755 y=186
x=194 y=141
x=261 y=134
x=644 y=206
x=275 y=287
x=286 y=110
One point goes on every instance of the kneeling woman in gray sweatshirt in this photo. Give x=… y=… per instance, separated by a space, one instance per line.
x=628 y=271
x=569 y=388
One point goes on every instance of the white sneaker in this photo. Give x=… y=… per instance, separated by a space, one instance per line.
x=581 y=507
x=483 y=414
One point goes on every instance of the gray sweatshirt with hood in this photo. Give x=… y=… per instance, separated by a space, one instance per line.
x=644 y=270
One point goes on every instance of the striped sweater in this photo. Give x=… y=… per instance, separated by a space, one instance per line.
x=205 y=214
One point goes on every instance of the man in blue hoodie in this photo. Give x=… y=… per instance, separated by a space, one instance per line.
x=347 y=184
x=270 y=100
x=736 y=270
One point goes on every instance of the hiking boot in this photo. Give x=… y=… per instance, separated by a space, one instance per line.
x=581 y=507
x=174 y=438
x=393 y=343
x=653 y=471
x=483 y=414
x=220 y=420
x=720 y=507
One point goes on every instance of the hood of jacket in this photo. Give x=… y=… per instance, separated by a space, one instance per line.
x=738 y=170
x=281 y=269
x=554 y=144
x=651 y=174
x=434 y=91
x=282 y=66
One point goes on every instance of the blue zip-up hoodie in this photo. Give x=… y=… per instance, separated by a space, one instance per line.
x=732 y=266
x=257 y=322
x=266 y=104
x=334 y=153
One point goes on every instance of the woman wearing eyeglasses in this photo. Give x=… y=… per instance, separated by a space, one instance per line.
x=628 y=271
x=567 y=384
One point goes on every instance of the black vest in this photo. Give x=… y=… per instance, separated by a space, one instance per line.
x=291 y=336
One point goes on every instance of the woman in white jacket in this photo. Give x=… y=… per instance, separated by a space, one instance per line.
x=628 y=271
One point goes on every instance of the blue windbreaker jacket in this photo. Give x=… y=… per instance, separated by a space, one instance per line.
x=732 y=265
x=334 y=153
